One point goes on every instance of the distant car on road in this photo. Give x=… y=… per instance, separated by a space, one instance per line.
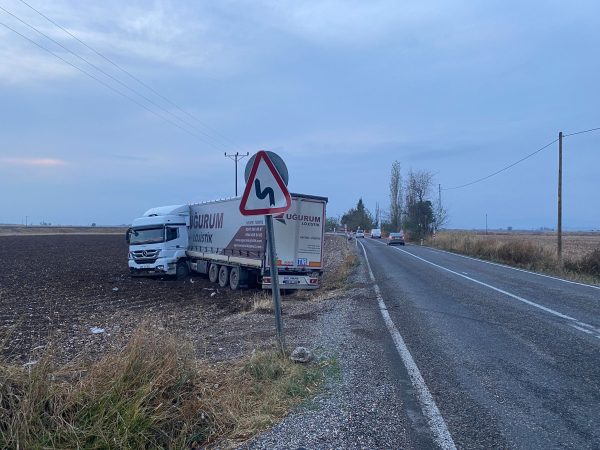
x=396 y=239
x=376 y=233
x=360 y=234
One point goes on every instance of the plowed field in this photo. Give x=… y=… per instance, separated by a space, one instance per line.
x=56 y=288
x=71 y=296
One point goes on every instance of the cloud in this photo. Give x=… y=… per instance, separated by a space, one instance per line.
x=211 y=38
x=172 y=34
x=33 y=162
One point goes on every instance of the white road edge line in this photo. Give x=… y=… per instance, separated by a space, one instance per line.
x=436 y=422
x=516 y=297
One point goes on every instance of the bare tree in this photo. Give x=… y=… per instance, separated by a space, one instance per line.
x=440 y=215
x=420 y=219
x=419 y=185
x=396 y=197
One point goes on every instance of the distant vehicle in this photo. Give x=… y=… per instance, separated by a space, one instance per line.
x=360 y=234
x=214 y=238
x=396 y=239
x=376 y=233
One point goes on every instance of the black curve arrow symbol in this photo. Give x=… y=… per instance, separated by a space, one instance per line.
x=262 y=194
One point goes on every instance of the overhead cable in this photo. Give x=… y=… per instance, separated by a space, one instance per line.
x=208 y=139
x=108 y=86
x=501 y=170
x=133 y=77
x=581 y=132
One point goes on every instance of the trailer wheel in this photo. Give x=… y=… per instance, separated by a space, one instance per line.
x=234 y=278
x=223 y=276
x=182 y=270
x=213 y=273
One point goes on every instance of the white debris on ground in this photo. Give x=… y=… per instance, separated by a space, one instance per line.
x=96 y=330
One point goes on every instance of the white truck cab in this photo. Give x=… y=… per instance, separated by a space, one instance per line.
x=158 y=242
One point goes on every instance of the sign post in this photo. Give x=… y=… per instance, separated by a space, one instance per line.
x=275 y=282
x=266 y=193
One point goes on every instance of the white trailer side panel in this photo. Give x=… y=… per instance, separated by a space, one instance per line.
x=219 y=231
x=299 y=235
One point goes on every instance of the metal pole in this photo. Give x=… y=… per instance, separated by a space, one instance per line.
x=236 y=157
x=236 y=161
x=275 y=283
x=486 y=228
x=559 y=225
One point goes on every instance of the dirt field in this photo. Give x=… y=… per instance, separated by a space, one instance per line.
x=575 y=245
x=57 y=288
x=17 y=230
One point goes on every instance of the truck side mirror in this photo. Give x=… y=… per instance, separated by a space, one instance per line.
x=127 y=234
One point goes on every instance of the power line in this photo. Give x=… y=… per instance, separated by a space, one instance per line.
x=112 y=88
x=217 y=133
x=503 y=169
x=99 y=69
x=581 y=132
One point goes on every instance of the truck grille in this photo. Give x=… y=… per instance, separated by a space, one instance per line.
x=145 y=256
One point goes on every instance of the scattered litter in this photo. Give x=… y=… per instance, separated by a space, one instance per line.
x=115 y=289
x=192 y=281
x=30 y=363
x=208 y=289
x=96 y=330
x=213 y=294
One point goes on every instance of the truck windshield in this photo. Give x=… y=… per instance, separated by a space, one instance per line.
x=146 y=235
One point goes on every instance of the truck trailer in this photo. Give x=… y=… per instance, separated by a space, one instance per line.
x=214 y=238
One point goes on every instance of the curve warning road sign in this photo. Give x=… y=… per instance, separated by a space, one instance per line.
x=266 y=192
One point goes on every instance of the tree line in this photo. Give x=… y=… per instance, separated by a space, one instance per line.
x=411 y=209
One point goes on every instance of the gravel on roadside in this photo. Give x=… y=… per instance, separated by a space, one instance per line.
x=363 y=407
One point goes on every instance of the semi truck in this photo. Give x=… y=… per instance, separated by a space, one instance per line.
x=215 y=239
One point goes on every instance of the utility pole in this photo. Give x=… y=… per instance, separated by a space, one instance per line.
x=236 y=157
x=486 y=227
x=559 y=224
x=440 y=196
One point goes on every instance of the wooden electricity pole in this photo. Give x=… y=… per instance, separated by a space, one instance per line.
x=559 y=225
x=236 y=157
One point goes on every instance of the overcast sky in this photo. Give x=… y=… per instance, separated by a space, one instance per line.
x=339 y=89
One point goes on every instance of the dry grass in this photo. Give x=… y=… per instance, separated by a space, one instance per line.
x=338 y=271
x=529 y=251
x=575 y=245
x=261 y=302
x=151 y=394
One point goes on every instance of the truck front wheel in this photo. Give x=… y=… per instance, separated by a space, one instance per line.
x=223 y=276
x=182 y=270
x=213 y=273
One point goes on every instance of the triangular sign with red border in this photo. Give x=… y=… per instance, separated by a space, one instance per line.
x=265 y=192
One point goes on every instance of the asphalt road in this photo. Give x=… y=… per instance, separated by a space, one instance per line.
x=511 y=359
